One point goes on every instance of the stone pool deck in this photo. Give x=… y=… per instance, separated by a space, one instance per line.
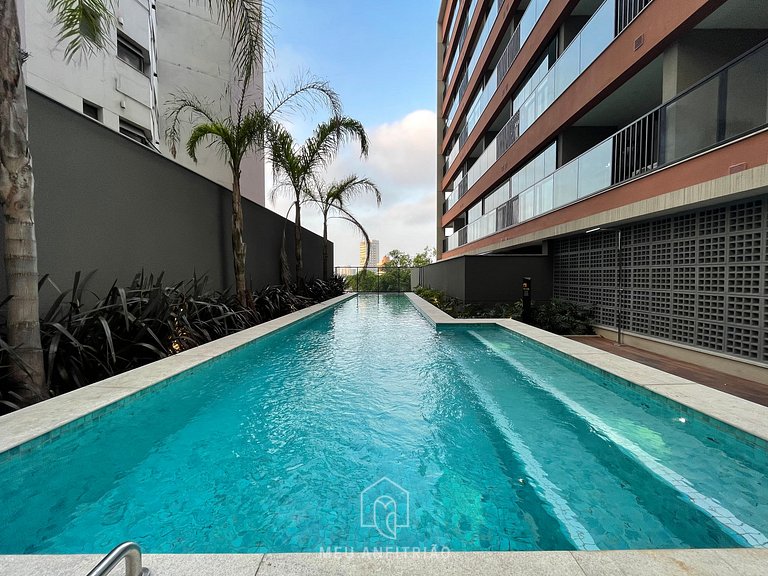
x=734 y=385
x=744 y=562
x=44 y=420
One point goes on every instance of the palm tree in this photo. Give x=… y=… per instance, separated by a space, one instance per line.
x=331 y=200
x=86 y=27
x=235 y=135
x=295 y=167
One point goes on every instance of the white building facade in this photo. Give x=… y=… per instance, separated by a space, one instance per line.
x=159 y=48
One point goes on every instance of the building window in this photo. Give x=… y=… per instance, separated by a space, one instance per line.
x=134 y=132
x=92 y=111
x=130 y=53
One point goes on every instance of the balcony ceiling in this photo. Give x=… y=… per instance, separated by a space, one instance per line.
x=738 y=14
x=586 y=7
x=636 y=97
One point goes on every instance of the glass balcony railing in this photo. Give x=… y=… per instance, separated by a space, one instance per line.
x=520 y=35
x=588 y=44
x=462 y=39
x=729 y=104
x=452 y=19
x=591 y=41
x=479 y=45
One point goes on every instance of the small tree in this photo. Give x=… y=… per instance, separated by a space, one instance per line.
x=295 y=167
x=331 y=199
x=425 y=257
x=398 y=259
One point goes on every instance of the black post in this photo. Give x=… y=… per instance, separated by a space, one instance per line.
x=526 y=300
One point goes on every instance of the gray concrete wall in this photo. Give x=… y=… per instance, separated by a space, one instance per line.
x=105 y=203
x=499 y=278
x=490 y=278
x=447 y=276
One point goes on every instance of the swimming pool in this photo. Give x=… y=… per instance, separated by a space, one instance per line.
x=365 y=428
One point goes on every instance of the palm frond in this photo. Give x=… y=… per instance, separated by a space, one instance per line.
x=282 y=153
x=185 y=105
x=305 y=94
x=342 y=214
x=216 y=131
x=252 y=129
x=85 y=25
x=247 y=24
x=321 y=148
x=350 y=187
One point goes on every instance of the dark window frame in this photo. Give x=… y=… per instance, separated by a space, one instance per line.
x=134 y=132
x=92 y=110
x=131 y=53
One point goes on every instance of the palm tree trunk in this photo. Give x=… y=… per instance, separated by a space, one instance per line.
x=297 y=237
x=325 y=246
x=238 y=245
x=16 y=197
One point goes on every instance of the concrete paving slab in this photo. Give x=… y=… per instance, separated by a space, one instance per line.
x=746 y=561
x=656 y=563
x=422 y=564
x=432 y=313
x=726 y=562
x=158 y=564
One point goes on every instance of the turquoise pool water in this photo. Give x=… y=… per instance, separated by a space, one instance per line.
x=487 y=441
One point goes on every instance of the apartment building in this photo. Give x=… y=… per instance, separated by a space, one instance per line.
x=159 y=48
x=372 y=254
x=626 y=141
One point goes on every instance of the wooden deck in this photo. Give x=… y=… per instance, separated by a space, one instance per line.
x=747 y=389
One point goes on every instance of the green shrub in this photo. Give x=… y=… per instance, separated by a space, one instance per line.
x=563 y=317
x=554 y=315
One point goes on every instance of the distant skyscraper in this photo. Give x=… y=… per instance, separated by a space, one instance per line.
x=374 y=255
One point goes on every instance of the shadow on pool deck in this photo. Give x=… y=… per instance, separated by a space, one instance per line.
x=747 y=389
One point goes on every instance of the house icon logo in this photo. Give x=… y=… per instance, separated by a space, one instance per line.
x=385 y=505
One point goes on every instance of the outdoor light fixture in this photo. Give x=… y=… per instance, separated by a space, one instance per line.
x=619 y=289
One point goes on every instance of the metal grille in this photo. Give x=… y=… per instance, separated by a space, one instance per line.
x=627 y=10
x=698 y=278
x=508 y=134
x=636 y=148
x=508 y=56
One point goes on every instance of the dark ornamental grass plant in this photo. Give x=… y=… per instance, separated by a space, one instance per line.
x=87 y=338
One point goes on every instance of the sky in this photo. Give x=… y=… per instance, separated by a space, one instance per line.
x=380 y=56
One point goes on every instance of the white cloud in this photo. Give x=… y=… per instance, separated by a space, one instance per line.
x=401 y=158
x=401 y=161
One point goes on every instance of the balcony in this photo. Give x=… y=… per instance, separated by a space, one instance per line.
x=519 y=35
x=547 y=85
x=728 y=104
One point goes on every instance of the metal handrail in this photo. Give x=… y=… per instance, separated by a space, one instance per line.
x=129 y=551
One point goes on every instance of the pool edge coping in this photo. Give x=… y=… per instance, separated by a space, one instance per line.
x=44 y=418
x=670 y=562
x=736 y=412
